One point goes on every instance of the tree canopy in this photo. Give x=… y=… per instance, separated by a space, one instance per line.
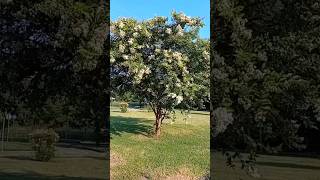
x=163 y=62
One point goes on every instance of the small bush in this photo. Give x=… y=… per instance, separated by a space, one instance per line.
x=124 y=107
x=43 y=143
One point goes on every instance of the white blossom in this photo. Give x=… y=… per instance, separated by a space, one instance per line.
x=206 y=55
x=112 y=60
x=121 y=48
x=172 y=95
x=112 y=28
x=139 y=26
x=147 y=71
x=122 y=33
x=157 y=50
x=130 y=41
x=185 y=70
x=179 y=33
x=135 y=34
x=121 y=25
x=126 y=57
x=177 y=56
x=179 y=30
x=132 y=50
x=151 y=57
x=168 y=31
x=179 y=99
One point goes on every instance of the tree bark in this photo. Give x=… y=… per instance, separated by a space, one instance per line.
x=158 y=128
x=157 y=124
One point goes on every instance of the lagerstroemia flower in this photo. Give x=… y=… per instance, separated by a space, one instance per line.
x=130 y=41
x=112 y=60
x=132 y=50
x=121 y=48
x=168 y=31
x=135 y=34
x=126 y=57
x=121 y=25
x=179 y=99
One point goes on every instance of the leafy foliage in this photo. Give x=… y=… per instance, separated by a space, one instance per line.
x=161 y=61
x=43 y=143
x=266 y=73
x=53 y=55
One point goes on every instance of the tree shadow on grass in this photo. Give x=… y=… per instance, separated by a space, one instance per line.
x=288 y=165
x=81 y=146
x=29 y=175
x=27 y=158
x=120 y=125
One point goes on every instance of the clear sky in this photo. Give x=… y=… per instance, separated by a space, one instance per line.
x=145 y=9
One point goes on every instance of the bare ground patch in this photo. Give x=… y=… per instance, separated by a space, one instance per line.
x=182 y=174
x=116 y=160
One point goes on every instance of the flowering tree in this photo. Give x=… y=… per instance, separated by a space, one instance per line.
x=156 y=58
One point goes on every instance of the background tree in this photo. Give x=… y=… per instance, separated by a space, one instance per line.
x=265 y=73
x=55 y=48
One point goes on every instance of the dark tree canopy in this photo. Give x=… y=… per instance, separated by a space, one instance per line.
x=266 y=73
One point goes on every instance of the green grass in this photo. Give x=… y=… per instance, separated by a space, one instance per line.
x=271 y=168
x=183 y=149
x=13 y=167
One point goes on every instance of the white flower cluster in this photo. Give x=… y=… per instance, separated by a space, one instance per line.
x=206 y=55
x=138 y=28
x=112 y=59
x=140 y=73
x=177 y=56
x=178 y=98
x=179 y=30
x=122 y=34
x=121 y=48
x=186 y=19
x=168 y=31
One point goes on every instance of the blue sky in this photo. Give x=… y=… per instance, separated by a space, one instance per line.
x=145 y=9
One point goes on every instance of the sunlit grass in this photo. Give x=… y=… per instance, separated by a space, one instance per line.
x=182 y=149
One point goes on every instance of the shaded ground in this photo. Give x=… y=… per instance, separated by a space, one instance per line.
x=272 y=168
x=69 y=163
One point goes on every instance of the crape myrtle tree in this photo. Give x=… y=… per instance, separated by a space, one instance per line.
x=156 y=60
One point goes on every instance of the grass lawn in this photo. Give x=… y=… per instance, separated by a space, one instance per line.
x=272 y=168
x=70 y=163
x=182 y=152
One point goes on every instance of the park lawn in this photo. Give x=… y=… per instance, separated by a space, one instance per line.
x=271 y=168
x=17 y=162
x=182 y=152
x=16 y=165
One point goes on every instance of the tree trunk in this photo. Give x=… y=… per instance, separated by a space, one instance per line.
x=157 y=128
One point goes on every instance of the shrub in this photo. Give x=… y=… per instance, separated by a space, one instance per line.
x=124 y=107
x=43 y=143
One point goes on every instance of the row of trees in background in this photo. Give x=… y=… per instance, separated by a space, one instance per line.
x=53 y=67
x=265 y=75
